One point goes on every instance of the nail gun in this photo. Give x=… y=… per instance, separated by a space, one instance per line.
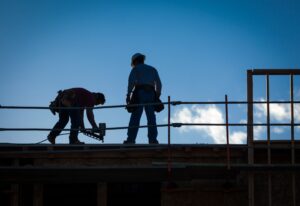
x=99 y=135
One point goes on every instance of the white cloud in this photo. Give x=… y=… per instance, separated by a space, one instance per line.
x=243 y=121
x=278 y=130
x=279 y=112
x=213 y=114
x=183 y=116
x=297 y=113
x=207 y=114
x=238 y=137
x=258 y=131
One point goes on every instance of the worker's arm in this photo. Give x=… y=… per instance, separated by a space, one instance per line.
x=90 y=116
x=81 y=119
x=131 y=81
x=158 y=84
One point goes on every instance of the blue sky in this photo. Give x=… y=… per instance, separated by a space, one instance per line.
x=202 y=50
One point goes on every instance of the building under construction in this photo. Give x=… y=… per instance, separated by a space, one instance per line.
x=258 y=173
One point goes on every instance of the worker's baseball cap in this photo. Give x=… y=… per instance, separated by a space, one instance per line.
x=137 y=55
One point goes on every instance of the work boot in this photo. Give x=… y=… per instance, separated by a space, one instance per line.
x=77 y=142
x=51 y=139
x=128 y=142
x=153 y=142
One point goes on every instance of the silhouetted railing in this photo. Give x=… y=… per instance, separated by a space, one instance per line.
x=250 y=123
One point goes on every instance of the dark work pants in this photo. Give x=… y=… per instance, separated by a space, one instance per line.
x=64 y=115
x=143 y=97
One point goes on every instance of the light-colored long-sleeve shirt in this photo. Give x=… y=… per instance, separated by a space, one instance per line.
x=144 y=74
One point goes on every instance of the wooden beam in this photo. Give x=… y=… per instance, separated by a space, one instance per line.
x=101 y=194
x=275 y=71
x=15 y=194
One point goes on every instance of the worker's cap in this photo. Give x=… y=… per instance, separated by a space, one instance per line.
x=137 y=55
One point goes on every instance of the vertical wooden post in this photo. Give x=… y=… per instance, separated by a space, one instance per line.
x=293 y=137
x=250 y=136
x=15 y=188
x=38 y=194
x=169 y=137
x=269 y=140
x=292 y=119
x=250 y=116
x=101 y=194
x=14 y=195
x=227 y=132
x=268 y=118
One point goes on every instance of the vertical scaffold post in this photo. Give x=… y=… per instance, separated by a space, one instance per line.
x=268 y=140
x=227 y=133
x=250 y=136
x=292 y=120
x=268 y=118
x=293 y=138
x=169 y=137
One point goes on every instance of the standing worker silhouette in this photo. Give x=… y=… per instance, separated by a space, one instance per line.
x=144 y=86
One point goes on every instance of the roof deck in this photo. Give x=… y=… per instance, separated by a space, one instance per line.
x=118 y=162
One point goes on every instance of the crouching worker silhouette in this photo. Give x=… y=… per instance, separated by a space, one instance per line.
x=144 y=86
x=75 y=97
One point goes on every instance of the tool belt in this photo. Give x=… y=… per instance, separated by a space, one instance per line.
x=145 y=87
x=134 y=99
x=64 y=98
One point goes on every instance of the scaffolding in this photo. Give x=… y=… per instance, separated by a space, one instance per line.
x=251 y=167
x=250 y=139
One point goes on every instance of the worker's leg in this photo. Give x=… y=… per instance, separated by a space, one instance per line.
x=152 y=128
x=61 y=123
x=75 y=124
x=134 y=123
x=149 y=97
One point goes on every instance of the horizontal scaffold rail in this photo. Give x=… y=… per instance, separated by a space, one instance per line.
x=158 y=125
x=165 y=103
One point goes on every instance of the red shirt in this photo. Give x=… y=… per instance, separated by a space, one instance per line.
x=84 y=98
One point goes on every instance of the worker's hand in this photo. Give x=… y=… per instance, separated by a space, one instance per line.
x=127 y=99
x=158 y=95
x=95 y=130
x=82 y=129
